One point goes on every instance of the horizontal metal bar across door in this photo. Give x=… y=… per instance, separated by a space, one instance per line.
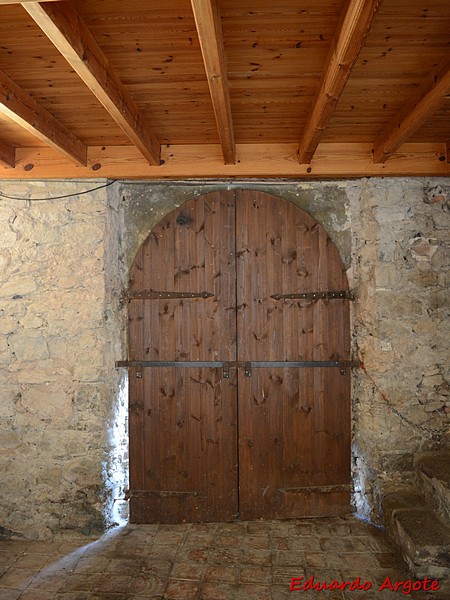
x=246 y=365
x=255 y=364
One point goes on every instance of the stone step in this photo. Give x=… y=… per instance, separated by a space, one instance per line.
x=400 y=499
x=433 y=470
x=425 y=541
x=421 y=536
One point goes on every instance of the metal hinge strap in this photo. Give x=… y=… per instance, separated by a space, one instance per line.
x=342 y=294
x=158 y=494
x=321 y=489
x=155 y=295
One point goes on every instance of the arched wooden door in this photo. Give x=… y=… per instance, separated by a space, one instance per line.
x=239 y=356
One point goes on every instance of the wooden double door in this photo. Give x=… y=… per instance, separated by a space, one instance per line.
x=220 y=294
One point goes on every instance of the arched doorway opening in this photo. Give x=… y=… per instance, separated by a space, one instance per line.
x=239 y=356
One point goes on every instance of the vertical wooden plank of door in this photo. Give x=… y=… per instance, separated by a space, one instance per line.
x=294 y=423
x=185 y=461
x=136 y=419
x=331 y=322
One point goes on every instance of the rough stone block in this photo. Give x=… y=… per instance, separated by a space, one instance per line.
x=434 y=475
x=424 y=539
x=17 y=288
x=29 y=345
x=48 y=404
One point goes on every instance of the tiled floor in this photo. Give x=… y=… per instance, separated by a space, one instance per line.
x=255 y=560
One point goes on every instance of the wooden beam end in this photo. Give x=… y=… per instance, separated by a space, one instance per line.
x=7 y=155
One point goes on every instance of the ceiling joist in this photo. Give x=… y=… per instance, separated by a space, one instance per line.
x=432 y=95
x=20 y=107
x=346 y=46
x=7 y=154
x=207 y=20
x=67 y=31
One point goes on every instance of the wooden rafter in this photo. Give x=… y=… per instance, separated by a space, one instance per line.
x=23 y=109
x=207 y=20
x=67 y=31
x=24 y=1
x=7 y=154
x=431 y=96
x=346 y=46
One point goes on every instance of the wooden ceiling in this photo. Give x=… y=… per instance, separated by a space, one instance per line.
x=224 y=88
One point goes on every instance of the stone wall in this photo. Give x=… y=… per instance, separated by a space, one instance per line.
x=57 y=378
x=400 y=272
x=64 y=264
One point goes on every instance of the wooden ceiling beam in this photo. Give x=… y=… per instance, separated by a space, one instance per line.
x=346 y=46
x=62 y=24
x=431 y=96
x=20 y=107
x=7 y=154
x=252 y=160
x=209 y=29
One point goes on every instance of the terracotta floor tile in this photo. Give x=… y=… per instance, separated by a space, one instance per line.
x=37 y=595
x=288 y=559
x=16 y=546
x=32 y=561
x=73 y=596
x=257 y=575
x=283 y=575
x=6 y=594
x=279 y=543
x=345 y=544
x=112 y=583
x=256 y=542
x=181 y=590
x=258 y=527
x=304 y=544
x=45 y=547
x=198 y=539
x=221 y=556
x=48 y=582
x=189 y=571
x=90 y=565
x=7 y=557
x=226 y=540
x=304 y=528
x=253 y=592
x=150 y=585
x=317 y=560
x=222 y=573
x=217 y=591
x=17 y=578
x=256 y=557
x=79 y=583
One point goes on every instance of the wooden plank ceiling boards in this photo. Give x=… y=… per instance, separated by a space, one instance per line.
x=224 y=88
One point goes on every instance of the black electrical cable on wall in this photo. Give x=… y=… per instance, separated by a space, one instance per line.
x=99 y=187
